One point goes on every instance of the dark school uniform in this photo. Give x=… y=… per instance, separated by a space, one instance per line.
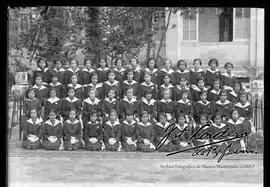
x=112 y=130
x=31 y=128
x=150 y=106
x=50 y=129
x=213 y=95
x=205 y=108
x=225 y=109
x=154 y=75
x=46 y=75
x=102 y=74
x=131 y=105
x=195 y=92
x=31 y=104
x=108 y=104
x=77 y=88
x=68 y=104
x=120 y=75
x=42 y=92
x=168 y=107
x=182 y=142
x=138 y=72
x=130 y=84
x=244 y=110
x=89 y=105
x=72 y=130
x=163 y=87
x=145 y=131
x=178 y=74
x=217 y=129
x=159 y=129
x=178 y=92
x=68 y=74
x=52 y=103
x=186 y=108
x=128 y=131
x=194 y=75
x=211 y=76
x=162 y=72
x=60 y=74
x=199 y=140
x=228 y=81
x=144 y=87
x=233 y=97
x=99 y=90
x=107 y=85
x=85 y=76
x=59 y=88
x=93 y=135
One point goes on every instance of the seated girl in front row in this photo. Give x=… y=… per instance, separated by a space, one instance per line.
x=32 y=131
x=72 y=132
x=52 y=132
x=145 y=134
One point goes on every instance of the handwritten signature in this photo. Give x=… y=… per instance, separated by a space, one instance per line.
x=227 y=135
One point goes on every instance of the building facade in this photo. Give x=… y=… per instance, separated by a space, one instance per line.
x=229 y=34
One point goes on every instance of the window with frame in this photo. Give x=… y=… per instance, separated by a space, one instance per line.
x=242 y=23
x=189 y=27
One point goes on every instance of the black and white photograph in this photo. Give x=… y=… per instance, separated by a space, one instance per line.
x=135 y=96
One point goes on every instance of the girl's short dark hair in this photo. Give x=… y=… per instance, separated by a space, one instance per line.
x=179 y=62
x=134 y=57
x=117 y=59
x=227 y=64
x=203 y=92
x=217 y=80
x=40 y=59
x=93 y=112
x=238 y=82
x=38 y=75
x=87 y=59
x=197 y=59
x=52 y=89
x=52 y=111
x=71 y=88
x=144 y=113
x=73 y=109
x=203 y=116
x=162 y=114
x=113 y=111
x=200 y=78
x=167 y=59
x=58 y=60
x=130 y=71
x=150 y=60
x=111 y=71
x=73 y=60
x=222 y=92
x=213 y=60
x=29 y=90
x=180 y=114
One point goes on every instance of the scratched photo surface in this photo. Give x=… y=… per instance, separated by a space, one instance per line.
x=123 y=96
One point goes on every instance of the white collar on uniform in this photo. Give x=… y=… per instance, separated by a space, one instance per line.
x=233 y=93
x=115 y=82
x=225 y=103
x=89 y=101
x=144 y=84
x=221 y=125
x=181 y=128
x=165 y=126
x=166 y=71
x=39 y=88
x=242 y=106
x=227 y=75
x=50 y=123
x=132 y=82
x=105 y=69
x=148 y=70
x=163 y=101
x=132 y=122
x=110 y=101
x=138 y=68
x=180 y=88
x=133 y=99
x=53 y=100
x=45 y=69
x=151 y=102
x=215 y=92
x=199 y=70
x=74 y=122
x=217 y=70
x=195 y=87
x=207 y=102
x=90 y=122
x=115 y=123
x=38 y=121
x=75 y=87
x=90 y=70
x=70 y=69
x=61 y=69
x=57 y=84
x=169 y=86
x=121 y=70
x=74 y=99
x=179 y=71
x=235 y=123
x=183 y=102
x=98 y=85
x=144 y=125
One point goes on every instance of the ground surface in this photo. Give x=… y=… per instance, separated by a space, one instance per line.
x=39 y=166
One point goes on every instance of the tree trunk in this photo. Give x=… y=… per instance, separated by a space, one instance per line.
x=149 y=38
x=163 y=34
